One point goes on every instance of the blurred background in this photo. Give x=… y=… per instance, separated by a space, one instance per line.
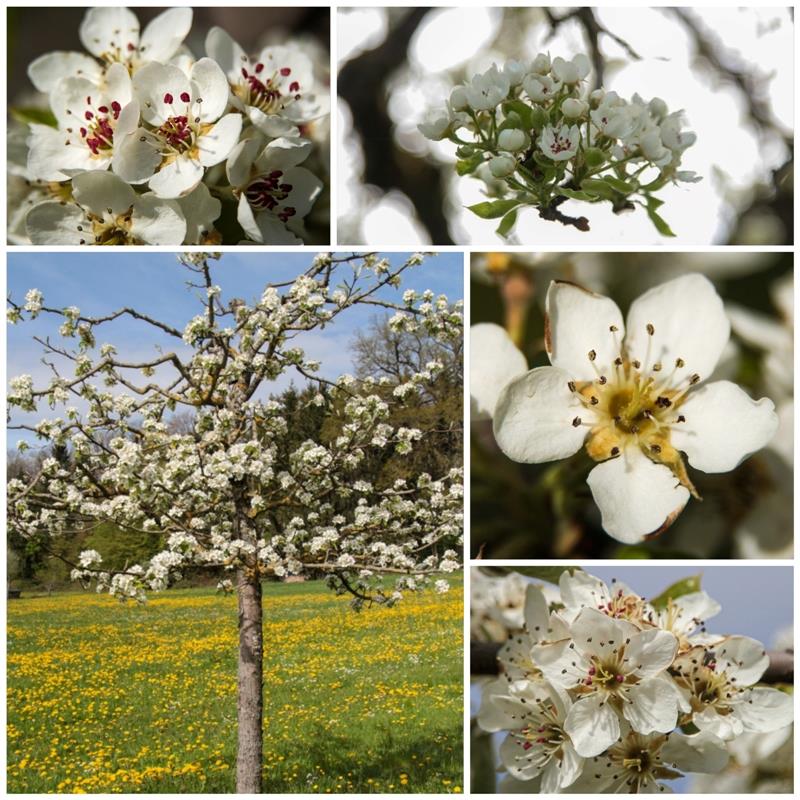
x=546 y=510
x=32 y=33
x=759 y=762
x=731 y=69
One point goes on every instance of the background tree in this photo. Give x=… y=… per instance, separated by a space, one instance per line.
x=228 y=485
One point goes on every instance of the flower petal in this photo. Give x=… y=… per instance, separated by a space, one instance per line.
x=520 y=762
x=50 y=160
x=106 y=28
x=102 y=191
x=272 y=231
x=598 y=634
x=154 y=83
x=56 y=224
x=164 y=34
x=494 y=360
x=157 y=221
x=217 y=144
x=581 y=590
x=226 y=52
x=555 y=661
x=571 y=765
x=592 y=725
x=724 y=426
x=689 y=323
x=577 y=323
x=177 y=177
x=136 y=157
x=282 y=153
x=653 y=706
x=240 y=161
x=47 y=70
x=537 y=614
x=763 y=710
x=699 y=753
x=637 y=498
x=535 y=417
x=742 y=658
x=651 y=651
x=201 y=210
x=211 y=85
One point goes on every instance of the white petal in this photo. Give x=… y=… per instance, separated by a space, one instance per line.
x=272 y=124
x=118 y=85
x=689 y=321
x=519 y=762
x=555 y=661
x=651 y=651
x=247 y=219
x=177 y=177
x=304 y=189
x=50 y=159
x=165 y=34
x=105 y=29
x=128 y=121
x=579 y=322
x=551 y=777
x=592 y=725
x=154 y=83
x=699 y=753
x=494 y=360
x=47 y=70
x=535 y=417
x=763 y=710
x=240 y=161
x=692 y=610
x=724 y=426
x=283 y=153
x=217 y=144
x=653 y=706
x=157 y=221
x=212 y=86
x=726 y=728
x=596 y=633
x=636 y=497
x=102 y=191
x=515 y=657
x=742 y=658
x=537 y=615
x=226 y=52
x=136 y=157
x=201 y=210
x=571 y=765
x=68 y=100
x=493 y=716
x=273 y=231
x=56 y=224
x=582 y=590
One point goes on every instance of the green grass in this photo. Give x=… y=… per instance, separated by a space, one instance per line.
x=104 y=697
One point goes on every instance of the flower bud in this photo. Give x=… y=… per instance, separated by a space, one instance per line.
x=572 y=108
x=596 y=97
x=658 y=108
x=512 y=139
x=541 y=64
x=458 y=98
x=503 y=165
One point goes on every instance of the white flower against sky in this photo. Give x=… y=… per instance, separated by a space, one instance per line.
x=106 y=211
x=633 y=395
x=190 y=130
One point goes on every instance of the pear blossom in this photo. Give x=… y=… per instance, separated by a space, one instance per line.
x=106 y=211
x=636 y=401
x=190 y=130
x=487 y=90
x=274 y=90
x=562 y=144
x=512 y=139
x=571 y=71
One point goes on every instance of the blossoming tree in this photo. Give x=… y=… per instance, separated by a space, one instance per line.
x=227 y=493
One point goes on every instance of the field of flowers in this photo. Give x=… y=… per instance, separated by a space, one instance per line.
x=104 y=697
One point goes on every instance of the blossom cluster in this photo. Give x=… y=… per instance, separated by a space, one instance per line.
x=537 y=138
x=145 y=142
x=634 y=394
x=605 y=691
x=233 y=492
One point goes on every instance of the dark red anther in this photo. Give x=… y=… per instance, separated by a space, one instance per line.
x=285 y=71
x=185 y=97
x=294 y=86
x=244 y=73
x=168 y=98
x=131 y=47
x=116 y=108
x=103 y=109
x=259 y=68
x=88 y=115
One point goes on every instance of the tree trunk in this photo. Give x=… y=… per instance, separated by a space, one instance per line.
x=250 y=703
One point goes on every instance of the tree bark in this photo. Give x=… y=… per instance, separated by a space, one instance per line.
x=250 y=702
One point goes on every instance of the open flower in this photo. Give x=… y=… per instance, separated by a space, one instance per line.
x=106 y=211
x=112 y=36
x=488 y=89
x=717 y=679
x=275 y=89
x=560 y=145
x=572 y=71
x=635 y=400
x=619 y=672
x=188 y=133
x=91 y=121
x=274 y=193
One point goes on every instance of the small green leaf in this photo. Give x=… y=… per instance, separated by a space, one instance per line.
x=507 y=223
x=539 y=118
x=599 y=187
x=493 y=209
x=654 y=186
x=34 y=116
x=575 y=195
x=594 y=156
x=547 y=574
x=661 y=225
x=468 y=165
x=621 y=186
x=543 y=161
x=678 y=589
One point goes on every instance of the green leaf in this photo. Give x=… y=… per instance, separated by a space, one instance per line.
x=543 y=161
x=507 y=223
x=493 y=209
x=575 y=195
x=522 y=110
x=539 y=118
x=547 y=574
x=654 y=186
x=661 y=225
x=678 y=589
x=594 y=156
x=468 y=165
x=599 y=187
x=619 y=185
x=34 y=116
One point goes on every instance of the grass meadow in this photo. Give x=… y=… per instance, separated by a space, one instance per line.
x=105 y=697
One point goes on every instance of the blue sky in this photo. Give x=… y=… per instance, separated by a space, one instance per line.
x=155 y=283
